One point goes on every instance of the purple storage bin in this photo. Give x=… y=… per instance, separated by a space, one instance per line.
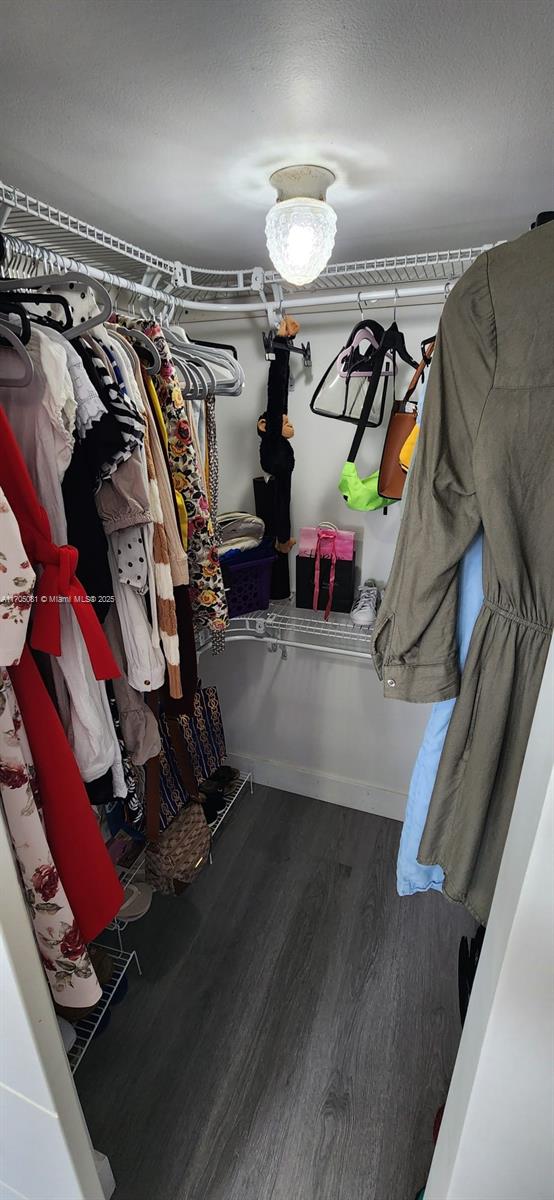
x=249 y=584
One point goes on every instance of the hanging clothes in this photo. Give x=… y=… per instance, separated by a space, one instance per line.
x=82 y=861
x=483 y=457
x=177 y=533
x=88 y=405
x=60 y=942
x=138 y=723
x=157 y=413
x=213 y=464
x=411 y=875
x=60 y=629
x=209 y=604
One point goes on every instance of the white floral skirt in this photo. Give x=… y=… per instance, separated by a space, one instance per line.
x=64 y=955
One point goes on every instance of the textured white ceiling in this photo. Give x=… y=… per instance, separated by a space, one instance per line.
x=161 y=121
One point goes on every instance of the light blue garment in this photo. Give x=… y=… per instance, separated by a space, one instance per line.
x=411 y=876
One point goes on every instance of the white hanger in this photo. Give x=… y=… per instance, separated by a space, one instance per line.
x=17 y=381
x=209 y=357
x=101 y=295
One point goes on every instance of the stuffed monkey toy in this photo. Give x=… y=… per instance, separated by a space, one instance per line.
x=275 y=431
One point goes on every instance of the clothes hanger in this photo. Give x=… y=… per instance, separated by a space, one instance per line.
x=216 y=346
x=205 y=375
x=68 y=281
x=191 y=386
x=9 y=305
x=133 y=334
x=202 y=363
x=51 y=298
x=197 y=363
x=355 y=363
x=233 y=382
x=17 y=381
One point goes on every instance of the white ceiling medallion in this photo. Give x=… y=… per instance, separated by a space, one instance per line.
x=300 y=227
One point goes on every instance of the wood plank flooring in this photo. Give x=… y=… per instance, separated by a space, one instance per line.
x=296 y=1026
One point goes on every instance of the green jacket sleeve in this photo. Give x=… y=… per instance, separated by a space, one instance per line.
x=414 y=641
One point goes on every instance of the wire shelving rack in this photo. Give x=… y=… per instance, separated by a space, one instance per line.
x=86 y=1028
x=38 y=236
x=135 y=870
x=283 y=626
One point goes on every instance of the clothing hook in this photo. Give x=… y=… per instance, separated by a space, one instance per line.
x=447 y=289
x=396 y=298
x=362 y=313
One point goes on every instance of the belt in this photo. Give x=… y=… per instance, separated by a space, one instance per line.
x=57 y=585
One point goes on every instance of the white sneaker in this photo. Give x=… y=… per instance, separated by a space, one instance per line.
x=367 y=604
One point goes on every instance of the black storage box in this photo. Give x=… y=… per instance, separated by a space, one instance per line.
x=343 y=592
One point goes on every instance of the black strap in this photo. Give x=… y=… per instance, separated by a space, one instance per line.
x=363 y=420
x=378 y=332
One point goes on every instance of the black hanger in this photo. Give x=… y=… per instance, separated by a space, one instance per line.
x=273 y=342
x=216 y=346
x=7 y=305
x=37 y=298
x=378 y=332
x=394 y=340
x=543 y=218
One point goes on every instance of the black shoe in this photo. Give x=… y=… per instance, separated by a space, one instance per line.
x=209 y=804
x=224 y=776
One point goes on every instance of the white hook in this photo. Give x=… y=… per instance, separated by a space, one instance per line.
x=396 y=299
x=362 y=313
x=447 y=289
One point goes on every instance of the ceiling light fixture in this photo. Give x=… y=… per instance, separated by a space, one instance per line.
x=300 y=227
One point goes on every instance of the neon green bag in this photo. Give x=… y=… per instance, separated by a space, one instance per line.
x=361 y=494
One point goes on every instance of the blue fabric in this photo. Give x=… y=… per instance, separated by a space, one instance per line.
x=411 y=876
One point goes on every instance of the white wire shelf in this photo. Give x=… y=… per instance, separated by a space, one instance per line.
x=232 y=793
x=283 y=625
x=122 y=959
x=128 y=874
x=39 y=235
x=86 y=1028
x=432 y=265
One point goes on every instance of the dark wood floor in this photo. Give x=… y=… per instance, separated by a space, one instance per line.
x=296 y=1025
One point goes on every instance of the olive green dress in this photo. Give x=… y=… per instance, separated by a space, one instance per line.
x=484 y=457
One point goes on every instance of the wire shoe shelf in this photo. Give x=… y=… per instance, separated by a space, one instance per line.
x=122 y=959
x=86 y=1028
x=135 y=869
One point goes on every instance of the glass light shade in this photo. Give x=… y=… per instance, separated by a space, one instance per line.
x=300 y=235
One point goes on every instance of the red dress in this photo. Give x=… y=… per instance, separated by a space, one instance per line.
x=85 y=868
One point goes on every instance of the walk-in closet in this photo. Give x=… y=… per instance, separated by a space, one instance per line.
x=276 y=679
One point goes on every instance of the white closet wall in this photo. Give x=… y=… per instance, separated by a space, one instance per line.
x=314 y=724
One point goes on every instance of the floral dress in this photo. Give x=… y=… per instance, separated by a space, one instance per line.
x=64 y=956
x=207 y=593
